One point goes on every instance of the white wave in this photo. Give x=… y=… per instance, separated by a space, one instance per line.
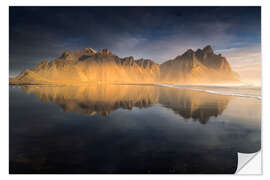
x=227 y=93
x=231 y=93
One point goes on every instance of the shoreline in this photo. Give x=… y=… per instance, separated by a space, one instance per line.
x=219 y=89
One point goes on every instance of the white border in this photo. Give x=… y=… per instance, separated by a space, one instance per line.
x=137 y=3
x=4 y=77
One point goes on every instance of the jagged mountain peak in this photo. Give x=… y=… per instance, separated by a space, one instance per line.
x=208 y=50
x=85 y=51
x=90 y=50
x=203 y=65
x=87 y=65
x=129 y=58
x=67 y=55
x=189 y=52
x=199 y=51
x=104 y=52
x=146 y=62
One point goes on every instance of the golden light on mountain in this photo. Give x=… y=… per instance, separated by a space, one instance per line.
x=90 y=66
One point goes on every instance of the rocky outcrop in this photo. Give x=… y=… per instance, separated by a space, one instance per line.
x=88 y=66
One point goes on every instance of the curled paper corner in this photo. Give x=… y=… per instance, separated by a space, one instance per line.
x=249 y=163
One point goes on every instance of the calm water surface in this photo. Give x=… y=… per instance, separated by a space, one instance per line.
x=129 y=129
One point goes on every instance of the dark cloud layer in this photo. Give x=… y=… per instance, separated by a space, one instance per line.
x=158 y=33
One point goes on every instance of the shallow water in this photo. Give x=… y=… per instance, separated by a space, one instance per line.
x=129 y=129
x=237 y=90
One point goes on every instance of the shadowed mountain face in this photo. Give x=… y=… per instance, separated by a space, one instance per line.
x=103 y=99
x=88 y=66
x=202 y=66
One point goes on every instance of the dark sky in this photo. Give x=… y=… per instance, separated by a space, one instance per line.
x=159 y=33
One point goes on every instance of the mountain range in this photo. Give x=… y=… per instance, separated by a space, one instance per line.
x=84 y=66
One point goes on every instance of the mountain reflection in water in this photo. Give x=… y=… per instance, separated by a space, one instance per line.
x=103 y=99
x=129 y=129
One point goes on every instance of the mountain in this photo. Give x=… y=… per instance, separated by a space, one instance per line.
x=88 y=66
x=201 y=66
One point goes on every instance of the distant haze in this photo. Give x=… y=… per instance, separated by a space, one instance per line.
x=157 y=33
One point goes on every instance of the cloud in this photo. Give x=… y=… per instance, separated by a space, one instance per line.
x=159 y=33
x=246 y=61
